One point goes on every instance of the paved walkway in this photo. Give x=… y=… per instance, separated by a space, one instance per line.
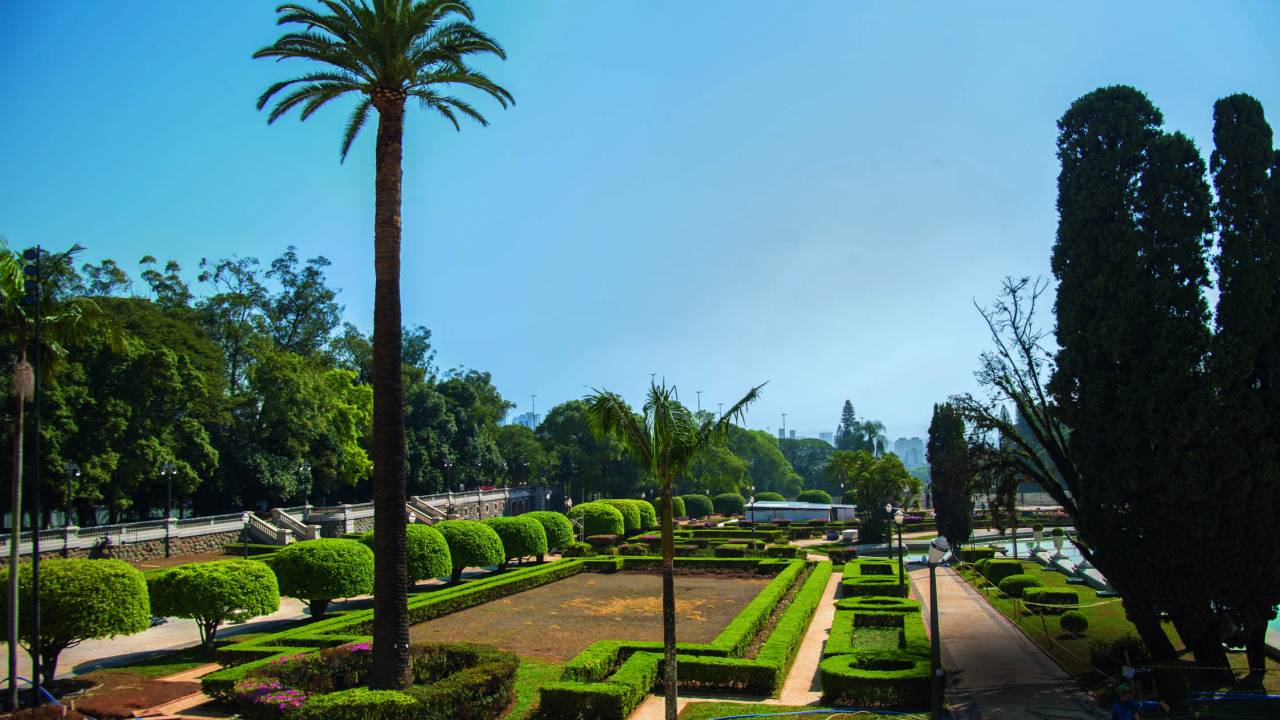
x=995 y=671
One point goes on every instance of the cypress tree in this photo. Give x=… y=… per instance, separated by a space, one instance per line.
x=1246 y=365
x=1132 y=328
x=848 y=435
x=950 y=474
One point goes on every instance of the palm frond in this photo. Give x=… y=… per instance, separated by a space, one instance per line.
x=354 y=124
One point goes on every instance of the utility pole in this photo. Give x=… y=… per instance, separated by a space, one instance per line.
x=533 y=408
x=699 y=392
x=784 y=425
x=721 y=405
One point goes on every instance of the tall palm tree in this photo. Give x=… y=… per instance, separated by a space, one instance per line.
x=384 y=52
x=873 y=436
x=664 y=440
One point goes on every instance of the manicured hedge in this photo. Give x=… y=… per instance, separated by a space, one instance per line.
x=630 y=514
x=599 y=518
x=428 y=552
x=648 y=515
x=997 y=570
x=1015 y=585
x=814 y=495
x=731 y=550
x=729 y=504
x=872 y=576
x=557 y=527
x=768 y=496
x=1049 y=601
x=214 y=593
x=736 y=534
x=1074 y=622
x=521 y=536
x=974 y=554
x=575 y=549
x=317 y=571
x=875 y=679
x=698 y=506
x=471 y=544
x=677 y=504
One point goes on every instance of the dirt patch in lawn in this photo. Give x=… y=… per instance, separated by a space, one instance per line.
x=556 y=621
x=118 y=694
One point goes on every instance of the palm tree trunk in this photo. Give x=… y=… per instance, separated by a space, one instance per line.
x=668 y=602
x=390 y=670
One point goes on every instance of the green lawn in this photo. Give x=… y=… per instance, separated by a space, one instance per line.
x=166 y=663
x=715 y=710
x=1106 y=621
x=531 y=676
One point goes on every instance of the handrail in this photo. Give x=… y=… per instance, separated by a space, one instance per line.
x=301 y=530
x=417 y=515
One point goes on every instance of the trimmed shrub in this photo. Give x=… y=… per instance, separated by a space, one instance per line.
x=677 y=504
x=1074 y=622
x=557 y=527
x=521 y=537
x=317 y=571
x=981 y=566
x=471 y=544
x=729 y=504
x=599 y=518
x=840 y=556
x=875 y=678
x=814 y=495
x=1057 y=532
x=731 y=550
x=79 y=600
x=575 y=549
x=698 y=506
x=600 y=542
x=998 y=570
x=974 y=554
x=648 y=515
x=768 y=496
x=427 y=550
x=630 y=514
x=359 y=704
x=1014 y=585
x=1050 y=601
x=784 y=551
x=633 y=549
x=214 y=593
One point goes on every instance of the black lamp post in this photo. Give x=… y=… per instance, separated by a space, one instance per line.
x=937 y=548
x=167 y=471
x=304 y=474
x=73 y=471
x=896 y=514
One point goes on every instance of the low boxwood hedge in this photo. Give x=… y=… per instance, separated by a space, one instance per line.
x=997 y=570
x=875 y=679
x=731 y=550
x=1049 y=601
x=1015 y=585
x=872 y=576
x=974 y=554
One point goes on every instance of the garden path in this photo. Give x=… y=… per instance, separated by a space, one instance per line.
x=994 y=670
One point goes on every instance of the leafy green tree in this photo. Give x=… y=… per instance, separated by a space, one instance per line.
x=848 y=432
x=522 y=455
x=557 y=527
x=79 y=600
x=317 y=571
x=871 y=483
x=522 y=536
x=471 y=544
x=105 y=279
x=214 y=593
x=168 y=287
x=1246 y=364
x=1133 y=337
x=953 y=482
x=586 y=466
x=231 y=315
x=809 y=458
x=385 y=53
x=664 y=440
x=428 y=552
x=476 y=407
x=717 y=470
x=303 y=314
x=873 y=438
x=768 y=469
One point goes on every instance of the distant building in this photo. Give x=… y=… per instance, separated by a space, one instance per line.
x=793 y=434
x=529 y=420
x=782 y=434
x=830 y=438
x=909 y=450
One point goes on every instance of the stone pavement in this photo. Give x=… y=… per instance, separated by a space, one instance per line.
x=994 y=671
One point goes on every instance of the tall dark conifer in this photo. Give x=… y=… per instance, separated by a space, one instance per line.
x=950 y=474
x=847 y=432
x=1246 y=364
x=1133 y=336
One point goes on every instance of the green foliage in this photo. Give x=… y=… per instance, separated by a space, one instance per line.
x=318 y=571
x=427 y=552
x=630 y=514
x=599 y=518
x=821 y=497
x=768 y=467
x=581 y=461
x=809 y=458
x=953 y=478
x=214 y=593
x=648 y=514
x=1015 y=585
x=697 y=506
x=1049 y=601
x=875 y=678
x=729 y=504
x=471 y=544
x=998 y=570
x=768 y=496
x=522 y=536
x=557 y=527
x=1074 y=622
x=975 y=554
x=731 y=550
x=79 y=600
x=359 y=704
x=575 y=549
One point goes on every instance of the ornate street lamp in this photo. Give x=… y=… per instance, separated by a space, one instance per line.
x=898 y=519
x=73 y=471
x=167 y=471
x=937 y=549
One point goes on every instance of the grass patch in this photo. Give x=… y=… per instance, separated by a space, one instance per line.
x=714 y=710
x=530 y=678
x=166 y=663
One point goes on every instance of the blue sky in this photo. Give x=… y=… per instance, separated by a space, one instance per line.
x=723 y=193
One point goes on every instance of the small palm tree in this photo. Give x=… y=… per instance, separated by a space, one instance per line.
x=384 y=52
x=873 y=436
x=664 y=440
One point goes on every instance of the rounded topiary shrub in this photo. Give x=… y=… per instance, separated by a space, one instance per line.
x=522 y=536
x=1013 y=585
x=428 y=552
x=214 y=593
x=769 y=496
x=814 y=495
x=599 y=518
x=1074 y=622
x=317 y=571
x=677 y=504
x=633 y=549
x=557 y=527
x=471 y=544
x=697 y=506
x=729 y=504
x=648 y=515
x=731 y=550
x=79 y=600
x=630 y=514
x=575 y=549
